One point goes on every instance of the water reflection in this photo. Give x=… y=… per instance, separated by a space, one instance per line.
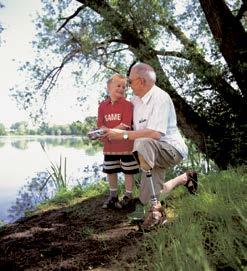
x=1 y=144
x=64 y=141
x=91 y=174
x=20 y=144
x=31 y=194
x=70 y=142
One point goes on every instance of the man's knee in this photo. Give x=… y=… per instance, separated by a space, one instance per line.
x=141 y=161
x=142 y=146
x=141 y=143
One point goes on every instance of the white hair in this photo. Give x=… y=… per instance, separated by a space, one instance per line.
x=145 y=71
x=152 y=75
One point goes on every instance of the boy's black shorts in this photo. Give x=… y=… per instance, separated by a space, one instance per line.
x=125 y=163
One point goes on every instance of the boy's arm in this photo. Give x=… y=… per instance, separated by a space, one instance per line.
x=100 y=119
x=126 y=118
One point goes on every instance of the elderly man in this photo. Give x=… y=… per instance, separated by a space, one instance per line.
x=158 y=144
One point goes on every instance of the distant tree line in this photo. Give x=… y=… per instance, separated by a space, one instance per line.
x=75 y=128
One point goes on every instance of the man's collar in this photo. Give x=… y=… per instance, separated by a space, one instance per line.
x=148 y=95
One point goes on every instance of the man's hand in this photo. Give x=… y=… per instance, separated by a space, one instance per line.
x=114 y=134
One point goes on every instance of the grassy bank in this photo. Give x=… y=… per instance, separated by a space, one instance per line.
x=205 y=232
x=66 y=197
x=208 y=231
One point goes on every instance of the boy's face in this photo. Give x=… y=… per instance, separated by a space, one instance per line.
x=116 y=89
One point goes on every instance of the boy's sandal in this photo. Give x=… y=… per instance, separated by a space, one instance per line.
x=192 y=182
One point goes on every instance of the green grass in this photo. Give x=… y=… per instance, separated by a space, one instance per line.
x=57 y=172
x=2 y=225
x=209 y=231
x=66 y=197
x=86 y=231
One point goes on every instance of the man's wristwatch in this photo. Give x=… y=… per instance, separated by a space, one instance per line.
x=125 y=135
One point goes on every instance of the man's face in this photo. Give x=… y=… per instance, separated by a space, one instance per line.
x=135 y=83
x=116 y=89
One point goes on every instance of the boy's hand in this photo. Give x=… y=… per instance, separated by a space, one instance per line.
x=103 y=136
x=96 y=134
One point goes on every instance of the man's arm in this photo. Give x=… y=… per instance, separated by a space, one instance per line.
x=126 y=118
x=117 y=134
x=122 y=126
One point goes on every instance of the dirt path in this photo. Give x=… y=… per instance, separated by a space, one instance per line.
x=84 y=237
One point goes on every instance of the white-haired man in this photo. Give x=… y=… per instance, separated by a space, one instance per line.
x=158 y=143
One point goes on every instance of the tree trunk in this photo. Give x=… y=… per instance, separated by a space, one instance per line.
x=231 y=38
x=209 y=74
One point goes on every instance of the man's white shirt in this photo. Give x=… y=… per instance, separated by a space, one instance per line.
x=155 y=111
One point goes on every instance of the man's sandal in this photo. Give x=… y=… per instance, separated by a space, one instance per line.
x=155 y=216
x=192 y=181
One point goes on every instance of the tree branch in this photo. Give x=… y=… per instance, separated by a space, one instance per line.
x=110 y=41
x=112 y=52
x=110 y=68
x=170 y=53
x=214 y=78
x=67 y=19
x=241 y=11
x=52 y=75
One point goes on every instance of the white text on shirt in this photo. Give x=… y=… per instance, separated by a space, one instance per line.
x=111 y=117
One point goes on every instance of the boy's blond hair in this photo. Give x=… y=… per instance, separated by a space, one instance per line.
x=117 y=77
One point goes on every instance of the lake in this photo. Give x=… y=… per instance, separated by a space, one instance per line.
x=23 y=161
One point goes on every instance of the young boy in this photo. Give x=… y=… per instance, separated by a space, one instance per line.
x=116 y=112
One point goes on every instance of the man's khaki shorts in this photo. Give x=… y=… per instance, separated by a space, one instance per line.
x=160 y=156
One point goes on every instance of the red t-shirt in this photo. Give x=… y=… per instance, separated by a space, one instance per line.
x=111 y=115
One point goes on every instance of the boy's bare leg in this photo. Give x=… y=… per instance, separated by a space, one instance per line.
x=128 y=183
x=112 y=200
x=127 y=199
x=113 y=184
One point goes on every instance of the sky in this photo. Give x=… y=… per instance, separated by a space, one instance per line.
x=16 y=18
